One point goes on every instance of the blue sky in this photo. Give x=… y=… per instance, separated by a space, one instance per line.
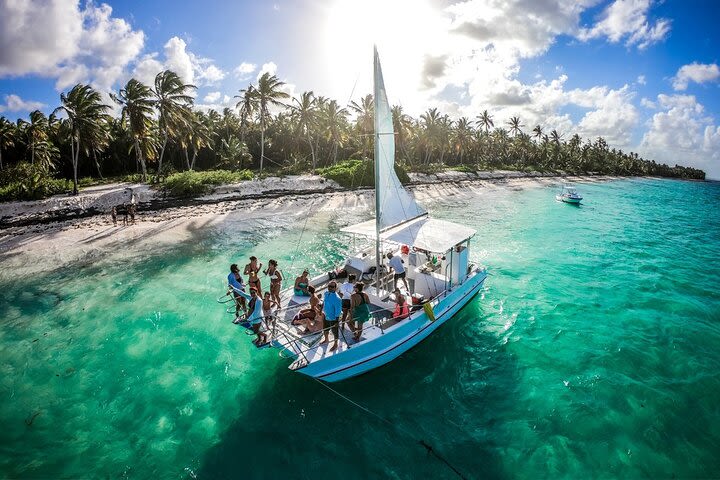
x=641 y=73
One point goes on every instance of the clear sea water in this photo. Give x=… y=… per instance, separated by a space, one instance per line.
x=593 y=352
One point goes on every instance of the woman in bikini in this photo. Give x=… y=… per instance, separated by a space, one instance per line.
x=276 y=279
x=308 y=312
x=301 y=285
x=251 y=270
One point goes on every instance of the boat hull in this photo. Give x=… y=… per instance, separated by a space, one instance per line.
x=566 y=199
x=365 y=356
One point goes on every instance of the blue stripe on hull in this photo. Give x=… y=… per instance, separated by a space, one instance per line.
x=363 y=357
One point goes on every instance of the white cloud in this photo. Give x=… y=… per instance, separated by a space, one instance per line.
x=243 y=71
x=682 y=134
x=57 y=39
x=614 y=117
x=695 y=72
x=628 y=19
x=211 y=75
x=648 y=103
x=641 y=80
x=212 y=97
x=178 y=60
x=13 y=103
x=269 y=67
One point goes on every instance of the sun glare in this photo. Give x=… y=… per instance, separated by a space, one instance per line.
x=403 y=30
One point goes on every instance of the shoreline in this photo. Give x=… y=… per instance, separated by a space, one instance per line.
x=93 y=237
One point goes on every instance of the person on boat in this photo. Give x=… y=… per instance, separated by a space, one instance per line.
x=314 y=325
x=359 y=309
x=396 y=263
x=308 y=312
x=255 y=315
x=332 y=310
x=301 y=285
x=402 y=310
x=267 y=304
x=235 y=285
x=251 y=270
x=276 y=279
x=346 y=291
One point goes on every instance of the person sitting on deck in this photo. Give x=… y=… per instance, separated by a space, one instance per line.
x=255 y=315
x=308 y=312
x=359 y=309
x=235 y=284
x=333 y=310
x=301 y=285
x=314 y=325
x=402 y=310
x=251 y=270
x=346 y=291
x=396 y=263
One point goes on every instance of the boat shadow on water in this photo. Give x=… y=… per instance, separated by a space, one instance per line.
x=443 y=392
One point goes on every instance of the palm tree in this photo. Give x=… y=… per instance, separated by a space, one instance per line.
x=86 y=115
x=365 y=122
x=515 y=126
x=246 y=105
x=305 y=112
x=173 y=103
x=462 y=137
x=484 y=121
x=267 y=94
x=137 y=102
x=538 y=132
x=233 y=153
x=36 y=130
x=334 y=119
x=7 y=136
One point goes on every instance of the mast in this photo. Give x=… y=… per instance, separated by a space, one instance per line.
x=376 y=61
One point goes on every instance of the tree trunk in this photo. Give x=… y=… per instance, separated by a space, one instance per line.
x=162 y=152
x=192 y=164
x=312 y=150
x=140 y=158
x=1 y=165
x=97 y=165
x=262 y=144
x=187 y=160
x=75 y=155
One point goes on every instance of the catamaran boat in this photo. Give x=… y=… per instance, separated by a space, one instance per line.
x=568 y=194
x=440 y=276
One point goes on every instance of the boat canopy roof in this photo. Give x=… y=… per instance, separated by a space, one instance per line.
x=429 y=234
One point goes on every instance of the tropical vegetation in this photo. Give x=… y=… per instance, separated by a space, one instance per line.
x=160 y=132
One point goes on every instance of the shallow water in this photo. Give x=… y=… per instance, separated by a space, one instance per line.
x=593 y=351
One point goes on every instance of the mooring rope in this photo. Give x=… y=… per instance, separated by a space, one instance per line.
x=427 y=446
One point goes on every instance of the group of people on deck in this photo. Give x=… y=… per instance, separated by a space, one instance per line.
x=346 y=303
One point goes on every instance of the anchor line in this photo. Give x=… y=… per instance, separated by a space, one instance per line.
x=427 y=446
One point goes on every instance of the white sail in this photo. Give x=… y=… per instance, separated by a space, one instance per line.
x=394 y=205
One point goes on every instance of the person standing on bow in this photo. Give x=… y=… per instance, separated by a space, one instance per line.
x=396 y=263
x=251 y=270
x=255 y=315
x=235 y=285
x=332 y=308
x=276 y=279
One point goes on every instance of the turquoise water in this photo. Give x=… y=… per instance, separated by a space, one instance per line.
x=594 y=351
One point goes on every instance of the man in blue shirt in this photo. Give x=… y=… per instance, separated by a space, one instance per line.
x=235 y=285
x=332 y=308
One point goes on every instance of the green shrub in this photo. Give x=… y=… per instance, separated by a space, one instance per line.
x=357 y=173
x=188 y=184
x=25 y=181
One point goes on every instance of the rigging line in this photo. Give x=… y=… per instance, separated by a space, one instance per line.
x=426 y=445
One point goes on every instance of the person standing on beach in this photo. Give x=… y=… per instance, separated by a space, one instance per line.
x=251 y=270
x=113 y=215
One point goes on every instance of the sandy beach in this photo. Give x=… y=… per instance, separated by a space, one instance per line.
x=159 y=221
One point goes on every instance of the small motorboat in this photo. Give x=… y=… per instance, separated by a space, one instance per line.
x=568 y=194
